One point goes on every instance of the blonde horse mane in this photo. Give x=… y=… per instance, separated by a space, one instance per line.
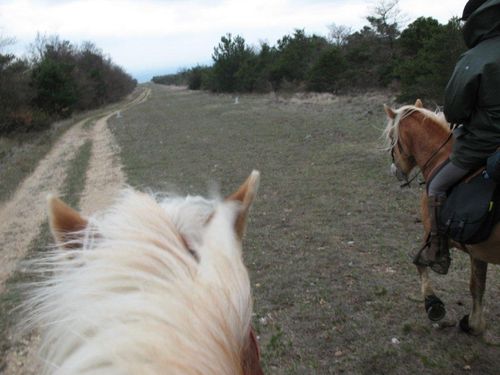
x=391 y=131
x=125 y=296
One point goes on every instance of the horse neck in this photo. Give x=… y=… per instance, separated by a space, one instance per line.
x=426 y=137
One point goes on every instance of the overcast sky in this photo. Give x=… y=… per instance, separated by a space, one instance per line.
x=148 y=37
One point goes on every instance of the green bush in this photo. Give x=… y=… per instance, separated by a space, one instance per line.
x=326 y=74
x=179 y=79
x=59 y=79
x=15 y=93
x=425 y=65
x=197 y=77
x=56 y=90
x=230 y=56
x=296 y=55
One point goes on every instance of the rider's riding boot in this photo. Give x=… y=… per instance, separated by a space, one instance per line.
x=435 y=254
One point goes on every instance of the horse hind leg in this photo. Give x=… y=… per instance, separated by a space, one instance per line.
x=434 y=307
x=474 y=322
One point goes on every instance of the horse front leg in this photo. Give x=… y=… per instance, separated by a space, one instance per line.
x=474 y=323
x=434 y=307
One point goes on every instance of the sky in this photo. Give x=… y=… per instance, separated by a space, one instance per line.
x=154 y=37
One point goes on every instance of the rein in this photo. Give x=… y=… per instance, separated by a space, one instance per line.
x=426 y=164
x=408 y=183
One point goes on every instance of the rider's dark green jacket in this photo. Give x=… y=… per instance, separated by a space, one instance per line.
x=472 y=96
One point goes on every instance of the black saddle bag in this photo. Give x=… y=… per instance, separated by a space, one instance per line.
x=469 y=212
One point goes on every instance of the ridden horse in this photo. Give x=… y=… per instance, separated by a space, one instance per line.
x=419 y=138
x=150 y=286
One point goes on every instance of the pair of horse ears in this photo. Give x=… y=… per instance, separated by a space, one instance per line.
x=391 y=113
x=64 y=220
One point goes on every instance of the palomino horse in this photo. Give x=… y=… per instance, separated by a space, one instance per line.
x=419 y=138
x=150 y=286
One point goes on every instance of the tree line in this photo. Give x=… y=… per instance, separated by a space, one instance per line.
x=57 y=79
x=416 y=61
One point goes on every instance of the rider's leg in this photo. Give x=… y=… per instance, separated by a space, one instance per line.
x=436 y=254
x=448 y=176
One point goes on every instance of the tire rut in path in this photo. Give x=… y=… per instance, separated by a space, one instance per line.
x=104 y=177
x=22 y=216
x=27 y=209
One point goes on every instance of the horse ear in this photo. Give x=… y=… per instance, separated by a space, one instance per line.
x=390 y=112
x=245 y=195
x=63 y=220
x=418 y=104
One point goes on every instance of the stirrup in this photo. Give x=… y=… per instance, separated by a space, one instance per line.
x=417 y=259
x=442 y=265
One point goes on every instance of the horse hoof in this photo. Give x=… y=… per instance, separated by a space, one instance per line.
x=466 y=327
x=435 y=308
x=464 y=324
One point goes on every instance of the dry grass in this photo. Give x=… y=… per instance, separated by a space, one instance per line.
x=330 y=233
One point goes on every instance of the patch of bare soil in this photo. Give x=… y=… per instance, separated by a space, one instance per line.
x=104 y=175
x=22 y=216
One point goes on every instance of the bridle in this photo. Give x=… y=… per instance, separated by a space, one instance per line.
x=408 y=157
x=401 y=152
x=411 y=158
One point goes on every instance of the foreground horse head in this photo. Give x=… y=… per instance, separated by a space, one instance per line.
x=150 y=286
x=419 y=138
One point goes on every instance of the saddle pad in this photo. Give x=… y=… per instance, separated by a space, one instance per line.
x=469 y=212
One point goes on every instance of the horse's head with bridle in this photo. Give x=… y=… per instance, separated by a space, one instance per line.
x=403 y=162
x=415 y=137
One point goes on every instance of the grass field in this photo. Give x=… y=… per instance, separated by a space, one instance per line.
x=330 y=235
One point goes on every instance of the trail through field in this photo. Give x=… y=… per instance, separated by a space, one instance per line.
x=104 y=175
x=21 y=217
x=328 y=239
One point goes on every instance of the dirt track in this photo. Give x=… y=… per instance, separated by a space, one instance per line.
x=21 y=217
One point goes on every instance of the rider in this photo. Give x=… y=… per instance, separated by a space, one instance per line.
x=472 y=98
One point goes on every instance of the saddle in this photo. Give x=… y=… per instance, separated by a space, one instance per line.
x=471 y=210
